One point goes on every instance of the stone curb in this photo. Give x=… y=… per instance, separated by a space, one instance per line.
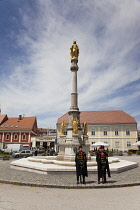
x=71 y=186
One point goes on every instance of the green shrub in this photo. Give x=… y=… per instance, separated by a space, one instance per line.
x=110 y=153
x=26 y=155
x=6 y=153
x=129 y=153
x=138 y=152
x=120 y=153
x=6 y=157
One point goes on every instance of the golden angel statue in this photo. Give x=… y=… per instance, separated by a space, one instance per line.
x=74 y=51
x=75 y=126
x=85 y=126
x=62 y=128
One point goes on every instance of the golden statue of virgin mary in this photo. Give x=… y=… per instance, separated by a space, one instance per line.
x=74 y=51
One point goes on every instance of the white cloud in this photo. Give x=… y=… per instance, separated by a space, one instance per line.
x=106 y=32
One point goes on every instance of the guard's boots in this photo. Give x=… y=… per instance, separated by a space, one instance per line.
x=80 y=179
x=84 y=180
x=77 y=179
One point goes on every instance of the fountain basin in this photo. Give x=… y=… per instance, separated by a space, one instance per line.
x=53 y=160
x=49 y=165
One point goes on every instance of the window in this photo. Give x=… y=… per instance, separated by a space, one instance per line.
x=93 y=142
x=105 y=131
x=93 y=132
x=128 y=143
x=127 y=131
x=15 y=137
x=116 y=132
x=24 y=136
x=65 y=132
x=117 y=144
x=7 y=136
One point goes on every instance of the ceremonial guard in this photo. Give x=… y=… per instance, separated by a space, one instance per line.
x=102 y=164
x=81 y=165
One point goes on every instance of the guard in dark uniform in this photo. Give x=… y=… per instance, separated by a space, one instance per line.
x=102 y=164
x=81 y=165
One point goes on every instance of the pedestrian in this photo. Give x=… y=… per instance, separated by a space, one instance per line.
x=81 y=165
x=35 y=152
x=102 y=164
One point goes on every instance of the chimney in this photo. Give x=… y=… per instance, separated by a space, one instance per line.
x=20 y=117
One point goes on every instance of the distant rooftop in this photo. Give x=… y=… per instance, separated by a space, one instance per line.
x=16 y=123
x=102 y=117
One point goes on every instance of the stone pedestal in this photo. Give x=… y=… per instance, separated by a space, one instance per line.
x=61 y=147
x=68 y=146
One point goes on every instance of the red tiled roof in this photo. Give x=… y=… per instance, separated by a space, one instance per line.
x=46 y=129
x=102 y=117
x=13 y=123
x=3 y=117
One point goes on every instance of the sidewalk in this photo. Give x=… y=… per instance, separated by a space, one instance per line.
x=12 y=176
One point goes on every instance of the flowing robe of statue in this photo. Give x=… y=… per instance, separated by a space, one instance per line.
x=75 y=126
x=85 y=128
x=74 y=51
x=62 y=128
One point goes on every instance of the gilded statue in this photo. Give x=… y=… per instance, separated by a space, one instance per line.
x=75 y=126
x=85 y=126
x=62 y=128
x=74 y=51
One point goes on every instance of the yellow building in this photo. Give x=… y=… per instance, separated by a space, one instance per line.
x=116 y=128
x=45 y=138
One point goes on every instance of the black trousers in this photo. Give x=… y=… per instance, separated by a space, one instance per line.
x=81 y=176
x=102 y=174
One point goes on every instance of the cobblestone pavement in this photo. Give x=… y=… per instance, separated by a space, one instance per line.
x=127 y=178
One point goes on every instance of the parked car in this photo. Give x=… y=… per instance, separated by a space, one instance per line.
x=22 y=153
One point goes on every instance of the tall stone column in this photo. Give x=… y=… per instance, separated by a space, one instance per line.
x=74 y=110
x=67 y=144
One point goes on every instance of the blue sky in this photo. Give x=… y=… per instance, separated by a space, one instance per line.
x=35 y=38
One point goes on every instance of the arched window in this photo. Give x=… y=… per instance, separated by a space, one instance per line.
x=15 y=137
x=24 y=136
x=7 y=136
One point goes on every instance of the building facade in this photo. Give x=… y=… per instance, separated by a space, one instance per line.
x=17 y=130
x=45 y=138
x=116 y=128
